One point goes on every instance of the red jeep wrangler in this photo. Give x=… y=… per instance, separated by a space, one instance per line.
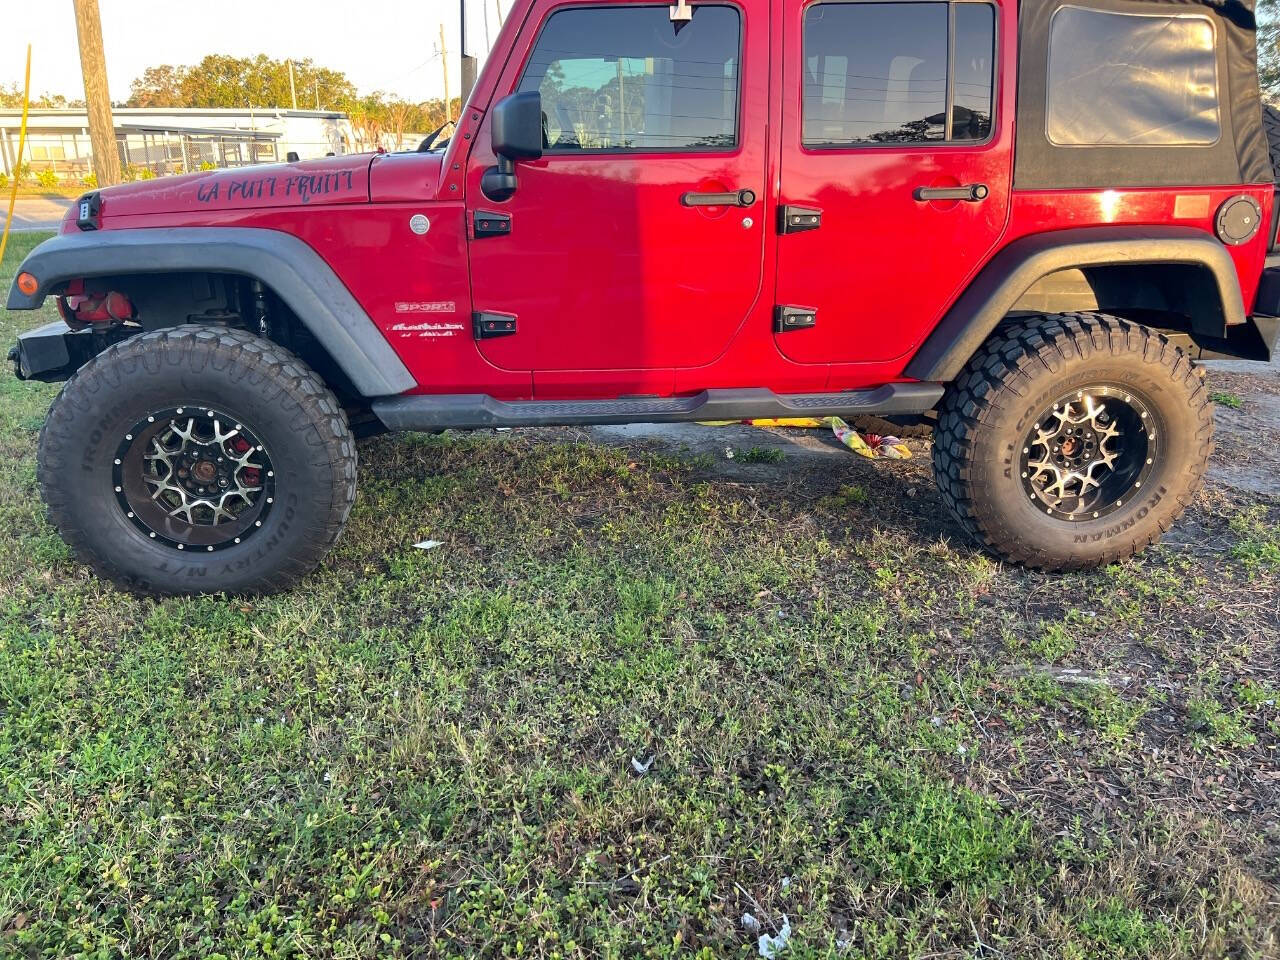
x=1020 y=221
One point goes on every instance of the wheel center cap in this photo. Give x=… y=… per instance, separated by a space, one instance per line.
x=204 y=472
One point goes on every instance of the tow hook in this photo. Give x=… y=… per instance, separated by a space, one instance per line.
x=15 y=357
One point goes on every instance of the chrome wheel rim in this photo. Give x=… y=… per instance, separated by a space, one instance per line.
x=194 y=478
x=1089 y=453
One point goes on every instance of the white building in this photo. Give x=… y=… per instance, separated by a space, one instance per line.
x=174 y=140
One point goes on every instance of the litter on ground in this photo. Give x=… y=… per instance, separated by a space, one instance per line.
x=871 y=445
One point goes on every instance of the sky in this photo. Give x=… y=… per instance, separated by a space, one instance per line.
x=389 y=45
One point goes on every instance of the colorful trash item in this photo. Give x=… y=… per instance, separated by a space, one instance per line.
x=872 y=445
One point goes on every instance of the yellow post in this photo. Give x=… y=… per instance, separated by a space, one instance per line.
x=17 y=163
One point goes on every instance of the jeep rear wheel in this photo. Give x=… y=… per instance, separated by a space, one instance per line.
x=197 y=459
x=1072 y=441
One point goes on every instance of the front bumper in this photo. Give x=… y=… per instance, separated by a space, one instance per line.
x=54 y=352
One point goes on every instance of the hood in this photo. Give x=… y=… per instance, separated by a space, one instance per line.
x=329 y=180
x=405 y=177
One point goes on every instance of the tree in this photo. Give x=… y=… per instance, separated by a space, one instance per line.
x=224 y=81
x=158 y=87
x=400 y=116
x=261 y=82
x=366 y=124
x=11 y=97
x=1269 y=47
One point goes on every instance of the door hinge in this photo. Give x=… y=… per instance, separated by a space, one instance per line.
x=490 y=224
x=798 y=219
x=485 y=325
x=787 y=318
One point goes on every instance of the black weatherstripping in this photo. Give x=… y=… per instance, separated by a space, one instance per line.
x=297 y=274
x=1012 y=271
x=464 y=411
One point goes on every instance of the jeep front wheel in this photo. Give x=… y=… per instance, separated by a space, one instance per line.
x=197 y=459
x=1074 y=440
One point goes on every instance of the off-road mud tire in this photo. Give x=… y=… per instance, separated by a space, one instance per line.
x=985 y=415
x=1271 y=126
x=291 y=411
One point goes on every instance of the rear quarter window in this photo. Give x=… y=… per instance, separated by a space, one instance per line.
x=1127 y=79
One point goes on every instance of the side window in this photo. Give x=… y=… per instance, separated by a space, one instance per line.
x=1126 y=79
x=886 y=73
x=628 y=78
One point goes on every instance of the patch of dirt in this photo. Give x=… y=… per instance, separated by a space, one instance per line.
x=1247 y=455
x=1247 y=438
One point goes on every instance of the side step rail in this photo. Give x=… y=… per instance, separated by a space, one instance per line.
x=472 y=410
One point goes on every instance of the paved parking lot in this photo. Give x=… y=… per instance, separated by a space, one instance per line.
x=42 y=212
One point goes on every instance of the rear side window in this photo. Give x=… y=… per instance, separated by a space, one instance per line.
x=628 y=78
x=886 y=73
x=1126 y=79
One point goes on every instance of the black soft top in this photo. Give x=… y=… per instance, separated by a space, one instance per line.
x=1238 y=156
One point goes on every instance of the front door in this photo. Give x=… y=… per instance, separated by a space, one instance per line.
x=894 y=174
x=636 y=241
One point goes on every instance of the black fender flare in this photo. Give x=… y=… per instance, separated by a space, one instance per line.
x=297 y=274
x=1012 y=271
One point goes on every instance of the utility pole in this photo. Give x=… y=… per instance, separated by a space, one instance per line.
x=93 y=64
x=444 y=63
x=467 y=64
x=293 y=93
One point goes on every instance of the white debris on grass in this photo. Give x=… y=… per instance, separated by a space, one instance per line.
x=429 y=544
x=771 y=947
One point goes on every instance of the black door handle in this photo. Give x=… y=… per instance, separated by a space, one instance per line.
x=739 y=198
x=972 y=193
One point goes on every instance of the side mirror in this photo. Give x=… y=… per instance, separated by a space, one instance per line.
x=517 y=126
x=517 y=135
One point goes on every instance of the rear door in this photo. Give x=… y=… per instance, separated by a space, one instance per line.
x=618 y=264
x=889 y=142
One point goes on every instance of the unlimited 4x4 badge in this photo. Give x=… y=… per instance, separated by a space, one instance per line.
x=419 y=224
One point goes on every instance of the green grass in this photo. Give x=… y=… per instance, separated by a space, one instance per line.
x=851 y=715
x=1226 y=399
x=1219 y=724
x=1114 y=930
x=1258 y=543
x=763 y=455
